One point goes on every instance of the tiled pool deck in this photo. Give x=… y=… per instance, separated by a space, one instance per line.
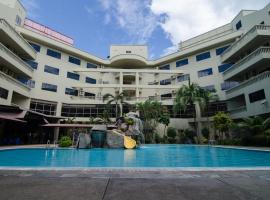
x=129 y=184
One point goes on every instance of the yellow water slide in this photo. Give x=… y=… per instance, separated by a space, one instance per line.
x=129 y=143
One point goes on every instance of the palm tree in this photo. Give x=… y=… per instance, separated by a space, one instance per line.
x=255 y=125
x=190 y=95
x=118 y=100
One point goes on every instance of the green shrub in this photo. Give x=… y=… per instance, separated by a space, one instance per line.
x=205 y=132
x=65 y=141
x=171 y=132
x=158 y=139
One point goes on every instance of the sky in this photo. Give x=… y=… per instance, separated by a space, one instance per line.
x=159 y=24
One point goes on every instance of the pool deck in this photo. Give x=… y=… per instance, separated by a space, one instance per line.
x=123 y=184
x=134 y=184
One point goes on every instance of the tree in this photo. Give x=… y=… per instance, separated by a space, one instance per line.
x=150 y=111
x=222 y=123
x=118 y=100
x=255 y=125
x=164 y=119
x=188 y=96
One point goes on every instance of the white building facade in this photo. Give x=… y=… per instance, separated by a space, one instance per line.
x=41 y=70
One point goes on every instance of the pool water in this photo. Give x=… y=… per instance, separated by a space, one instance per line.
x=154 y=156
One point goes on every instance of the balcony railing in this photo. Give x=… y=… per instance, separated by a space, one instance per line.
x=255 y=53
x=245 y=37
x=15 y=57
x=250 y=81
x=17 y=35
x=14 y=81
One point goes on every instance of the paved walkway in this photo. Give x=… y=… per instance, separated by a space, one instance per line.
x=134 y=184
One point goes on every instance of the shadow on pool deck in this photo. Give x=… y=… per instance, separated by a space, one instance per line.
x=135 y=185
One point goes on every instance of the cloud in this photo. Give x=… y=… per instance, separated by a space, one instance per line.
x=132 y=16
x=32 y=7
x=185 y=19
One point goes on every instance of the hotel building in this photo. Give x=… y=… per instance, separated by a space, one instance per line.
x=41 y=71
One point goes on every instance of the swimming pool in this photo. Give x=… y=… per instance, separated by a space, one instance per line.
x=148 y=156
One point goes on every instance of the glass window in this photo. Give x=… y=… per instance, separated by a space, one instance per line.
x=221 y=50
x=53 y=53
x=180 y=63
x=224 y=67
x=205 y=72
x=75 y=61
x=72 y=92
x=228 y=85
x=32 y=64
x=203 y=56
x=49 y=87
x=90 y=80
x=184 y=77
x=165 y=82
x=238 y=25
x=73 y=76
x=3 y=93
x=88 y=94
x=210 y=88
x=18 y=20
x=51 y=70
x=91 y=65
x=165 y=67
x=35 y=46
x=256 y=96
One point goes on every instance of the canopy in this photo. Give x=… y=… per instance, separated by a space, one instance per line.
x=11 y=117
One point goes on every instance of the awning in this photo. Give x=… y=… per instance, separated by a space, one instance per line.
x=10 y=117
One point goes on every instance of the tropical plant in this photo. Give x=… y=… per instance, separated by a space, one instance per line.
x=255 y=125
x=65 y=141
x=222 y=123
x=150 y=111
x=188 y=96
x=164 y=119
x=118 y=100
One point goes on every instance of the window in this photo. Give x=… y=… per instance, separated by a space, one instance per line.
x=228 y=85
x=32 y=64
x=128 y=51
x=49 y=87
x=203 y=56
x=166 y=82
x=73 y=76
x=165 y=67
x=90 y=80
x=75 y=61
x=3 y=93
x=184 y=77
x=219 y=51
x=262 y=23
x=31 y=83
x=51 y=70
x=91 y=65
x=35 y=46
x=18 y=20
x=72 y=92
x=205 y=72
x=224 y=67
x=45 y=107
x=88 y=94
x=166 y=96
x=238 y=25
x=53 y=53
x=210 y=88
x=180 y=63
x=256 y=96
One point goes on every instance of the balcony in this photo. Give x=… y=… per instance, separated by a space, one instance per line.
x=240 y=112
x=11 y=38
x=128 y=61
x=256 y=60
x=255 y=37
x=13 y=62
x=14 y=84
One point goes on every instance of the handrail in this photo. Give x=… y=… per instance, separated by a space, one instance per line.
x=241 y=39
x=14 y=80
x=3 y=21
x=17 y=58
x=247 y=58
x=257 y=78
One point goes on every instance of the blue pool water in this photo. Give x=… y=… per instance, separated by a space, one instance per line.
x=157 y=156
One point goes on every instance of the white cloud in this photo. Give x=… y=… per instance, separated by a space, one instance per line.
x=32 y=8
x=188 y=18
x=133 y=16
